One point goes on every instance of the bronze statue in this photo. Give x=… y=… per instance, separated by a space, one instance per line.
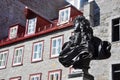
x=83 y=47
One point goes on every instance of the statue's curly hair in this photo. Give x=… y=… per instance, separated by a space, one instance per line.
x=85 y=22
x=82 y=19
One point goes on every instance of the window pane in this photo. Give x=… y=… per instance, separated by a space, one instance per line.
x=36 y=78
x=116 y=33
x=19 y=59
x=1 y=57
x=37 y=50
x=32 y=78
x=62 y=16
x=13 y=32
x=56 y=76
x=59 y=46
x=51 y=77
x=116 y=72
x=35 y=55
x=66 y=15
x=116 y=29
x=20 y=52
x=18 y=55
x=15 y=60
x=0 y=63
x=53 y=51
x=32 y=25
x=56 y=46
x=54 y=43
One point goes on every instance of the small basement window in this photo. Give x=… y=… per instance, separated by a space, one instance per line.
x=54 y=75
x=64 y=16
x=35 y=76
x=15 y=78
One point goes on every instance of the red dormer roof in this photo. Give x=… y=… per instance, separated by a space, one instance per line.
x=74 y=11
x=43 y=25
x=20 y=31
x=30 y=14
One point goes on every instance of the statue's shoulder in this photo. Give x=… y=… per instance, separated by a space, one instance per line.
x=95 y=40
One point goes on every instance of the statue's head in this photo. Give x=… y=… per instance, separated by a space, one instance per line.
x=81 y=23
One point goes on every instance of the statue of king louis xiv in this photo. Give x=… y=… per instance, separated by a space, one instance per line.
x=83 y=47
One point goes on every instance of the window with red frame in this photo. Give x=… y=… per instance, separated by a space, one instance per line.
x=15 y=78
x=64 y=16
x=18 y=56
x=3 y=58
x=35 y=76
x=54 y=75
x=56 y=46
x=31 y=27
x=37 y=51
x=13 y=32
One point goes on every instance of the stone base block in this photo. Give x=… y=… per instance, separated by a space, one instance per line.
x=80 y=76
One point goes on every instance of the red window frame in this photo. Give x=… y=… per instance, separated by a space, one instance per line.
x=33 y=51
x=55 y=71
x=6 y=59
x=40 y=75
x=51 y=45
x=27 y=24
x=13 y=65
x=18 y=77
x=10 y=32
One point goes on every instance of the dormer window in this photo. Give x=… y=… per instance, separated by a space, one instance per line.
x=13 y=32
x=16 y=31
x=35 y=23
x=31 y=26
x=64 y=16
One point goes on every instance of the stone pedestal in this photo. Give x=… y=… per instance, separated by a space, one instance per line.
x=80 y=76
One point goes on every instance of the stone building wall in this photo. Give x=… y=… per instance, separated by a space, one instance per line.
x=109 y=9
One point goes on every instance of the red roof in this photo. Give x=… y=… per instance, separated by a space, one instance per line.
x=48 y=26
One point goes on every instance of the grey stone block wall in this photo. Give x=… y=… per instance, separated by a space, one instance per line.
x=109 y=9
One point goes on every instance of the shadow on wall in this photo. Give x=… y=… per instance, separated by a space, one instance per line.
x=96 y=11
